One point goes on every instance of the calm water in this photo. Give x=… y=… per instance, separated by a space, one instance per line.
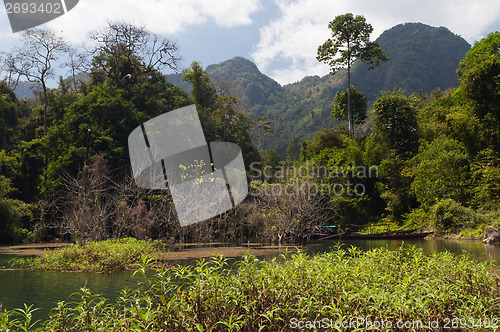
x=45 y=289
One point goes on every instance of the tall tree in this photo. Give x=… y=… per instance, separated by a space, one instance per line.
x=35 y=60
x=350 y=41
x=76 y=62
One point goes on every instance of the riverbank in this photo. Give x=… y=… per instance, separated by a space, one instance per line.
x=123 y=254
x=69 y=257
x=399 y=287
x=94 y=256
x=32 y=249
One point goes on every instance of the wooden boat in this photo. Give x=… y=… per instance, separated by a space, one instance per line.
x=408 y=234
x=378 y=236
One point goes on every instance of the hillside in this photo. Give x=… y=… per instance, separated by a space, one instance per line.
x=24 y=90
x=257 y=91
x=422 y=59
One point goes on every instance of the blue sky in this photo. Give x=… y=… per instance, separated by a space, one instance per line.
x=280 y=36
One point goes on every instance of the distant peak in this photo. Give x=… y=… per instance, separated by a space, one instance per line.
x=236 y=62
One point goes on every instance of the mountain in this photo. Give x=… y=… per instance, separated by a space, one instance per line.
x=24 y=90
x=242 y=77
x=256 y=90
x=422 y=59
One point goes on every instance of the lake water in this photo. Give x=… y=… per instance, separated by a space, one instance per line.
x=45 y=289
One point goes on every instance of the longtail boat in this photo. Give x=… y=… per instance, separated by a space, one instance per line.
x=407 y=234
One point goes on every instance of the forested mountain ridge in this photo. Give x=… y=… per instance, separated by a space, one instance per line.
x=422 y=59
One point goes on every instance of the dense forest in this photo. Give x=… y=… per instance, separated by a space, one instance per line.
x=430 y=159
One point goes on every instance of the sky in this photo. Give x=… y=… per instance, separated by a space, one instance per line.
x=280 y=36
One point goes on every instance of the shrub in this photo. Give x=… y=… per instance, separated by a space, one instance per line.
x=450 y=216
x=102 y=256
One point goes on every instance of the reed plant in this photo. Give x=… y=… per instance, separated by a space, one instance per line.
x=404 y=285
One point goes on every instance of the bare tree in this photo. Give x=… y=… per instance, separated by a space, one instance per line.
x=143 y=51
x=77 y=63
x=36 y=59
x=144 y=213
x=291 y=211
x=7 y=66
x=87 y=207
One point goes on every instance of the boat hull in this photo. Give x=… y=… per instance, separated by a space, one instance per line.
x=396 y=236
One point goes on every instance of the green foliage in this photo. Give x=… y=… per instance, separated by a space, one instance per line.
x=401 y=285
x=293 y=149
x=441 y=171
x=418 y=217
x=486 y=181
x=103 y=256
x=31 y=164
x=203 y=91
x=271 y=158
x=395 y=121
x=450 y=216
x=480 y=82
x=351 y=40
x=322 y=139
x=8 y=120
x=358 y=106
x=448 y=116
x=110 y=118
x=12 y=210
x=153 y=95
x=396 y=190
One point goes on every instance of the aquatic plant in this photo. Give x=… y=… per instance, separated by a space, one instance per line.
x=326 y=291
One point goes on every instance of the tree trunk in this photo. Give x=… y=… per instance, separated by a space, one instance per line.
x=44 y=109
x=349 y=112
x=44 y=128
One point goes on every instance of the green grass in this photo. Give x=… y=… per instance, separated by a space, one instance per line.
x=101 y=256
x=402 y=285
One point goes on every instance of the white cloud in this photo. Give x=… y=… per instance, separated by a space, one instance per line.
x=163 y=17
x=292 y=39
x=287 y=47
